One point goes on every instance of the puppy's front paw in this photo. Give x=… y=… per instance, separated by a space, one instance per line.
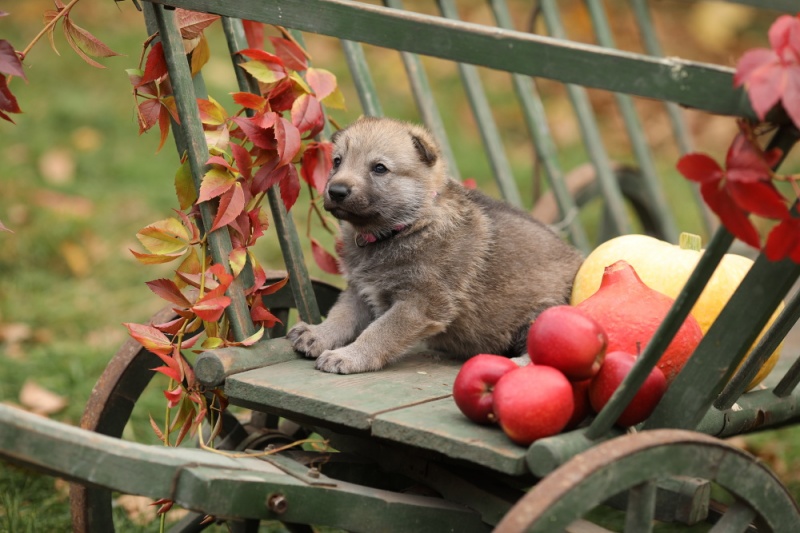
x=344 y=361
x=305 y=340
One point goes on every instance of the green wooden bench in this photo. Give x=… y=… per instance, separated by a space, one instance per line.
x=399 y=426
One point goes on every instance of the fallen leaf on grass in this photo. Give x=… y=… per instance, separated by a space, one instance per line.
x=57 y=166
x=39 y=400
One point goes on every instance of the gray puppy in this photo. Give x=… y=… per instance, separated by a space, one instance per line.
x=427 y=259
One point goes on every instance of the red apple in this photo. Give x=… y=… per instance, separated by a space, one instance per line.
x=616 y=366
x=533 y=402
x=568 y=339
x=472 y=389
x=580 y=396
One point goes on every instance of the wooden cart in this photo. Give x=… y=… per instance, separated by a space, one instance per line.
x=405 y=459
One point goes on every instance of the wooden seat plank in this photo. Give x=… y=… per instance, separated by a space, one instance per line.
x=440 y=426
x=296 y=388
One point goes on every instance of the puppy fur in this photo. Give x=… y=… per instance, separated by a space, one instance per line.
x=427 y=259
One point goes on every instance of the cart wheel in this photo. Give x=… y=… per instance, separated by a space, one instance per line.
x=635 y=462
x=582 y=185
x=125 y=378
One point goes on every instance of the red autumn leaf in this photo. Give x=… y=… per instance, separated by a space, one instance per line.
x=211 y=309
x=250 y=101
x=173 y=396
x=211 y=113
x=316 y=165
x=231 y=205
x=216 y=182
x=701 y=168
x=261 y=137
x=223 y=280
x=744 y=186
x=156 y=65
x=169 y=372
x=148 y=113
x=166 y=289
x=322 y=82
x=784 y=240
x=291 y=54
x=85 y=44
x=241 y=157
x=157 y=430
x=163 y=126
x=150 y=338
x=171 y=327
x=773 y=75
x=307 y=115
x=274 y=287
x=9 y=60
x=470 y=183
x=268 y=175
x=192 y=23
x=254 y=33
x=324 y=259
x=290 y=187
x=287 y=139
x=282 y=96
x=261 y=315
x=8 y=102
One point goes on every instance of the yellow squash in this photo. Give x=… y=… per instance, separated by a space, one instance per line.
x=665 y=268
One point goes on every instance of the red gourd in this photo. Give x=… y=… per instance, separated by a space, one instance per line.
x=630 y=312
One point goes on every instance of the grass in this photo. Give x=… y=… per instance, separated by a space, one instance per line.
x=76 y=184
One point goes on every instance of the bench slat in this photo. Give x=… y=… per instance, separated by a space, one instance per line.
x=698 y=85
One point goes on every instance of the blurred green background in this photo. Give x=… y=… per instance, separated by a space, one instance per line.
x=77 y=182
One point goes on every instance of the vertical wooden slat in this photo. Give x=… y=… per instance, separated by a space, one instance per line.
x=592 y=139
x=362 y=78
x=426 y=105
x=486 y=123
x=536 y=122
x=762 y=351
x=651 y=186
x=288 y=239
x=219 y=241
x=680 y=131
x=736 y=519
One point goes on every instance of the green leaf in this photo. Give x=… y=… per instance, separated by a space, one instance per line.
x=164 y=237
x=264 y=72
x=184 y=186
x=237 y=260
x=155 y=259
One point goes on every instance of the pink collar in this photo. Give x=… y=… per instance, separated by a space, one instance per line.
x=364 y=239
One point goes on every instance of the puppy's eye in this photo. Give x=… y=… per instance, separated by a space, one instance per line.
x=379 y=168
x=337 y=161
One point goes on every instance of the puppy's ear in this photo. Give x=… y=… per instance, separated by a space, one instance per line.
x=336 y=136
x=427 y=153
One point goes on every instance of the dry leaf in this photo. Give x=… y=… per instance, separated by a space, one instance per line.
x=76 y=258
x=64 y=204
x=39 y=400
x=57 y=166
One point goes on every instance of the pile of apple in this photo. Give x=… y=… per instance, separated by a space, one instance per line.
x=579 y=356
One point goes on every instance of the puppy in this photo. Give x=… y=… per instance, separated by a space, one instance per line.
x=427 y=259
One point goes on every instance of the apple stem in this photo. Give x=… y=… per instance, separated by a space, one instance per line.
x=491 y=418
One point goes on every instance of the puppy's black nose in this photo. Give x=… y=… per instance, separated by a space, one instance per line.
x=338 y=191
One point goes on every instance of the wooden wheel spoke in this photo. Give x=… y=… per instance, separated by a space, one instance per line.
x=641 y=508
x=736 y=519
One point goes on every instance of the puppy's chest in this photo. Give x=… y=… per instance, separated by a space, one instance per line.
x=380 y=284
